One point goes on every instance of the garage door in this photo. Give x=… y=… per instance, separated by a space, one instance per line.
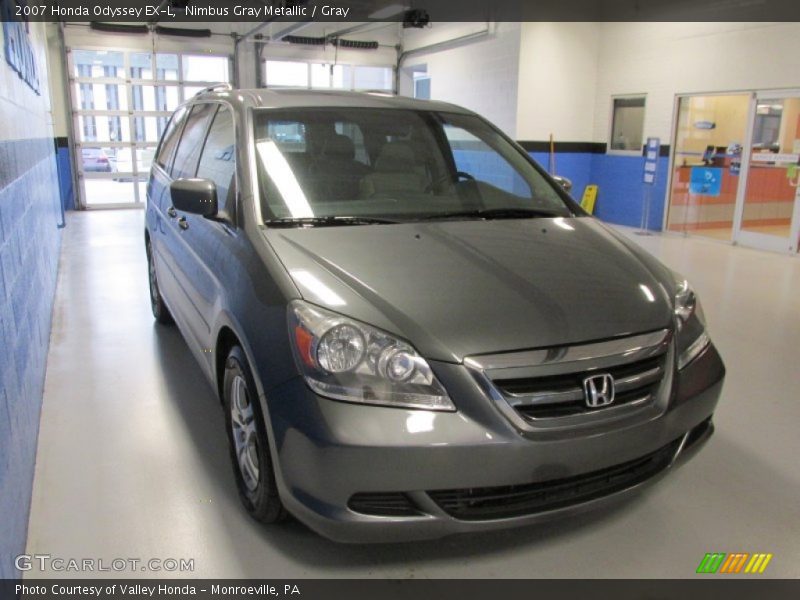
x=121 y=102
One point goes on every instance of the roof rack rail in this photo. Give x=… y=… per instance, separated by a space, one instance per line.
x=215 y=87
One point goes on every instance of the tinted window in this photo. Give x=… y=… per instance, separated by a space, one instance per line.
x=170 y=139
x=218 y=161
x=188 y=152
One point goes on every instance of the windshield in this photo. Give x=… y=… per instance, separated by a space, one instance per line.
x=363 y=165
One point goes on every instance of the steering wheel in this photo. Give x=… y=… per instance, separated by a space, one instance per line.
x=445 y=178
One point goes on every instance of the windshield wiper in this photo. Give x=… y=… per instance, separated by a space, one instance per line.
x=495 y=213
x=328 y=221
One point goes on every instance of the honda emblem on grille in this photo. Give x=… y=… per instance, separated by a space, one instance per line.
x=599 y=390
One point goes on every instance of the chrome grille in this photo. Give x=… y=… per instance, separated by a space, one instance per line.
x=562 y=395
x=544 y=389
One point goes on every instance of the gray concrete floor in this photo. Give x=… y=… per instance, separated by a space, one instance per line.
x=132 y=459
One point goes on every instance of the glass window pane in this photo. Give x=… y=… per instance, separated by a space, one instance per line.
x=103 y=129
x=163 y=98
x=410 y=171
x=771 y=191
x=474 y=156
x=96 y=160
x=98 y=63
x=320 y=75
x=218 y=162
x=121 y=162
x=373 y=78
x=167 y=67
x=191 y=143
x=287 y=73
x=144 y=158
x=191 y=90
x=627 y=124
x=205 y=68
x=141 y=65
x=170 y=138
x=342 y=77
x=422 y=88
x=100 y=96
x=142 y=185
x=148 y=129
x=290 y=136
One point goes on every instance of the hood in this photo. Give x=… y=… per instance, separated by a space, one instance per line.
x=457 y=288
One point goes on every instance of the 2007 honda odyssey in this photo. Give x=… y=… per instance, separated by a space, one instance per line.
x=413 y=329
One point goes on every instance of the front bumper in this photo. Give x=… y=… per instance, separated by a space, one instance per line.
x=328 y=451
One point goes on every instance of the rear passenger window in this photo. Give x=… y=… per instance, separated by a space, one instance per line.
x=170 y=139
x=185 y=164
x=218 y=161
x=290 y=136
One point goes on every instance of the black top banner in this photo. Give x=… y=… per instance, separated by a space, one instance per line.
x=413 y=13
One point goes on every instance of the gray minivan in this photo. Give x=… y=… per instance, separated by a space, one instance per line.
x=413 y=329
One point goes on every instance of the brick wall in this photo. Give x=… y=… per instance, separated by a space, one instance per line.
x=29 y=247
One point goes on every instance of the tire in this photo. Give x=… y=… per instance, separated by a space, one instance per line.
x=248 y=442
x=159 y=308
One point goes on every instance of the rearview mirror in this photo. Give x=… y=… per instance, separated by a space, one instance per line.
x=563 y=182
x=196 y=196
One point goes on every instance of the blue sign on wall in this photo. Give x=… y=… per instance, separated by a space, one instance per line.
x=18 y=49
x=706 y=181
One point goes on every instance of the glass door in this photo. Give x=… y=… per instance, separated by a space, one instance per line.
x=709 y=136
x=768 y=204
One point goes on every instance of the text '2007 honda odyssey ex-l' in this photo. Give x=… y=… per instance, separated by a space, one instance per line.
x=413 y=329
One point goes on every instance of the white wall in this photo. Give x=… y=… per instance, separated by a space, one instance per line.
x=480 y=75
x=665 y=59
x=58 y=89
x=558 y=73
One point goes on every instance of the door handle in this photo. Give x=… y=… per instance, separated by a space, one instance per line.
x=183 y=223
x=172 y=212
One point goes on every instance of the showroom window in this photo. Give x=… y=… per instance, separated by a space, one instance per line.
x=627 y=124
x=321 y=75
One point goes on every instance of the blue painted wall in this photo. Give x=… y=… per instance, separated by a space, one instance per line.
x=29 y=248
x=64 y=163
x=619 y=179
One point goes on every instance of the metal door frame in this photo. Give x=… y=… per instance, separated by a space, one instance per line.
x=762 y=241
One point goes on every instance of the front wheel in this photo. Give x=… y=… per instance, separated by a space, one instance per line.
x=159 y=308
x=249 y=445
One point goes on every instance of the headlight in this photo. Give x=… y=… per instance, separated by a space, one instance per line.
x=343 y=359
x=690 y=324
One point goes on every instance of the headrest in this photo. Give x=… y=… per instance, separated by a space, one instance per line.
x=340 y=146
x=395 y=157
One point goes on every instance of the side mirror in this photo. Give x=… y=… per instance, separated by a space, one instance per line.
x=563 y=182
x=196 y=196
